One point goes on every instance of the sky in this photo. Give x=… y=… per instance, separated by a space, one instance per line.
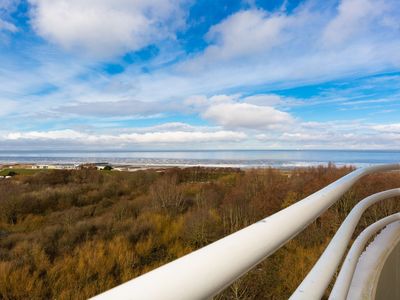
x=185 y=74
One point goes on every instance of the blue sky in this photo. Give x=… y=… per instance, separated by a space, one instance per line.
x=180 y=74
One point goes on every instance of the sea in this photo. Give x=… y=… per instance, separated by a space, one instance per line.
x=210 y=158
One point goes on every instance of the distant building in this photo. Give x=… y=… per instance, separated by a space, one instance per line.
x=101 y=166
x=42 y=166
x=56 y=166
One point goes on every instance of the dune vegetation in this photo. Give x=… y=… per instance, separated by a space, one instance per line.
x=74 y=234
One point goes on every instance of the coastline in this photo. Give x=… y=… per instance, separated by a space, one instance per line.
x=280 y=159
x=158 y=167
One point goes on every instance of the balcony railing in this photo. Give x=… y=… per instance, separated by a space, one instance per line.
x=207 y=271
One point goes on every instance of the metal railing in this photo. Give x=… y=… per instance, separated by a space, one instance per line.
x=318 y=279
x=377 y=273
x=343 y=281
x=207 y=271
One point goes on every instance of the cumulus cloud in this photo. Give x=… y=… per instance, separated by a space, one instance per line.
x=244 y=115
x=252 y=35
x=103 y=28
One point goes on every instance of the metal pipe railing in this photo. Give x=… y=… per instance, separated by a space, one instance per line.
x=343 y=281
x=318 y=279
x=207 y=271
x=376 y=264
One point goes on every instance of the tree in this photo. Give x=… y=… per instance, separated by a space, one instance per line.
x=167 y=194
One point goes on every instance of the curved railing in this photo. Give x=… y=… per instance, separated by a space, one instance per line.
x=318 y=279
x=205 y=272
x=343 y=281
x=377 y=275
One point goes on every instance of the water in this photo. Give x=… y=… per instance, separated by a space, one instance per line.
x=228 y=158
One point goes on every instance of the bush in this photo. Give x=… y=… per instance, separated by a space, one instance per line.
x=74 y=234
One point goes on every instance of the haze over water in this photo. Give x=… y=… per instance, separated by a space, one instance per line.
x=228 y=158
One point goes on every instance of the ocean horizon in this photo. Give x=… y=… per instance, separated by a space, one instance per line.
x=211 y=158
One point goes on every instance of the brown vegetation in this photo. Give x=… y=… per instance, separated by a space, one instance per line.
x=74 y=234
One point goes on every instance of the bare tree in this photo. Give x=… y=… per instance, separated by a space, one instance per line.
x=167 y=194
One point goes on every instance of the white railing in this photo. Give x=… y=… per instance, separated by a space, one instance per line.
x=377 y=273
x=343 y=281
x=318 y=279
x=207 y=271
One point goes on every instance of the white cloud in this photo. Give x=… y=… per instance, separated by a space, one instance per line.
x=117 y=140
x=246 y=33
x=359 y=16
x=196 y=102
x=7 y=107
x=183 y=137
x=236 y=111
x=334 y=135
x=104 y=28
x=265 y=99
x=244 y=115
x=6 y=8
x=44 y=135
x=305 y=135
x=133 y=108
x=254 y=47
x=388 y=128
x=8 y=4
x=294 y=58
x=7 y=26
x=250 y=50
x=172 y=126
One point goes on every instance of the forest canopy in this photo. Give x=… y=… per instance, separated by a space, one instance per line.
x=74 y=234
